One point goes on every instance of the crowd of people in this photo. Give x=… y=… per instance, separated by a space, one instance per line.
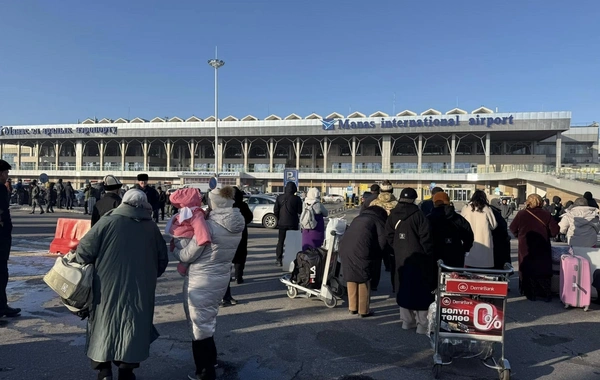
x=408 y=238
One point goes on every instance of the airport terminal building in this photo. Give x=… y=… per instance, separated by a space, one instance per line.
x=458 y=150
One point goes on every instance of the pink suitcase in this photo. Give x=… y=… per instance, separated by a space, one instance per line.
x=575 y=281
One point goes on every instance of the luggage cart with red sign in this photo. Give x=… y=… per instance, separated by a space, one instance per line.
x=469 y=316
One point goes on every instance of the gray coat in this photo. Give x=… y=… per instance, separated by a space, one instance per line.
x=209 y=270
x=129 y=253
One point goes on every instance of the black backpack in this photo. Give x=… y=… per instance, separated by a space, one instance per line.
x=309 y=267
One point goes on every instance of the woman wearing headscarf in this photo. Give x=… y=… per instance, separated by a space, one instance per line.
x=239 y=260
x=481 y=217
x=580 y=224
x=534 y=227
x=208 y=276
x=313 y=238
x=128 y=253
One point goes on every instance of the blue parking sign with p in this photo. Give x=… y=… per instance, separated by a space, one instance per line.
x=290 y=175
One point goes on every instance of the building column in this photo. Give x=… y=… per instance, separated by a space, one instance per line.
x=558 y=152
x=101 y=147
x=487 y=152
x=386 y=154
x=420 y=154
x=123 y=152
x=245 y=152
x=18 y=157
x=353 y=154
x=145 y=153
x=192 y=147
x=179 y=157
x=168 y=151
x=504 y=147
x=78 y=155
x=1 y=150
x=36 y=153
x=57 y=147
x=220 y=155
x=271 y=154
x=298 y=151
x=325 y=148
x=453 y=153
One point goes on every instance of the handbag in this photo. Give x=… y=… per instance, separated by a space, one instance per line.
x=73 y=283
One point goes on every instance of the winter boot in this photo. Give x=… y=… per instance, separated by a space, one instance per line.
x=239 y=273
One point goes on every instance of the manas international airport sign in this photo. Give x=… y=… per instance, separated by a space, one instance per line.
x=428 y=121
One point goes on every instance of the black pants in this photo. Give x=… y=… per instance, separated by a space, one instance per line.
x=5 y=243
x=280 y=242
x=50 y=206
x=125 y=369
x=155 y=214
x=61 y=201
x=162 y=211
x=205 y=357
x=70 y=203
x=375 y=273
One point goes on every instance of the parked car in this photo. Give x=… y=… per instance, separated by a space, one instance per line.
x=262 y=207
x=333 y=198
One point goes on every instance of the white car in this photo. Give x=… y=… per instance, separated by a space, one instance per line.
x=333 y=198
x=262 y=207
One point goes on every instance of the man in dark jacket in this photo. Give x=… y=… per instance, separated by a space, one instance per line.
x=506 y=210
x=110 y=200
x=556 y=208
x=162 y=201
x=452 y=234
x=590 y=198
x=407 y=230
x=427 y=205
x=361 y=250
x=500 y=238
x=374 y=194
x=150 y=192
x=287 y=210
x=60 y=193
x=5 y=242
x=69 y=194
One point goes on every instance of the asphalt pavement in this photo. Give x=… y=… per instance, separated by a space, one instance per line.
x=269 y=336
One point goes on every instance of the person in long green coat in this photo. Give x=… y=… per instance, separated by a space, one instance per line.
x=129 y=254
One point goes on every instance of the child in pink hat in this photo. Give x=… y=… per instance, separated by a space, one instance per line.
x=189 y=222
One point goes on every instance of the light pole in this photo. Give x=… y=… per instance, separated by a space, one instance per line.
x=216 y=63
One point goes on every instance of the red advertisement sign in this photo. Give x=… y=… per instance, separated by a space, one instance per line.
x=478 y=287
x=464 y=315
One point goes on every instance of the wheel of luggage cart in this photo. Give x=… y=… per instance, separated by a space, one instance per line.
x=331 y=303
x=436 y=370
x=504 y=374
x=336 y=287
x=292 y=292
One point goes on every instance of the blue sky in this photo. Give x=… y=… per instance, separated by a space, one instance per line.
x=67 y=60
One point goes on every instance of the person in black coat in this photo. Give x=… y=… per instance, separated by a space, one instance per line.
x=407 y=231
x=501 y=240
x=151 y=194
x=452 y=234
x=110 y=200
x=590 y=198
x=69 y=195
x=427 y=206
x=360 y=250
x=287 y=210
x=239 y=260
x=375 y=189
x=50 y=198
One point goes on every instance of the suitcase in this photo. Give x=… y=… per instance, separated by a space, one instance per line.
x=293 y=245
x=575 y=282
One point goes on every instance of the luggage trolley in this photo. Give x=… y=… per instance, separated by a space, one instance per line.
x=324 y=292
x=467 y=317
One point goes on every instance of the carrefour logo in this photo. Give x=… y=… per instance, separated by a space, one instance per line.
x=328 y=124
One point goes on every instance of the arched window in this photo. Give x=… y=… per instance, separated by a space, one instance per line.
x=433 y=149
x=405 y=149
x=258 y=152
x=282 y=152
x=233 y=151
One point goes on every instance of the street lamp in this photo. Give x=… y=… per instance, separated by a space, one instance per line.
x=216 y=63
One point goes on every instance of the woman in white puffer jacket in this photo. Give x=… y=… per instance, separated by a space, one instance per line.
x=581 y=224
x=208 y=276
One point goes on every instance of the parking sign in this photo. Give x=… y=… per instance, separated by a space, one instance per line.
x=290 y=175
